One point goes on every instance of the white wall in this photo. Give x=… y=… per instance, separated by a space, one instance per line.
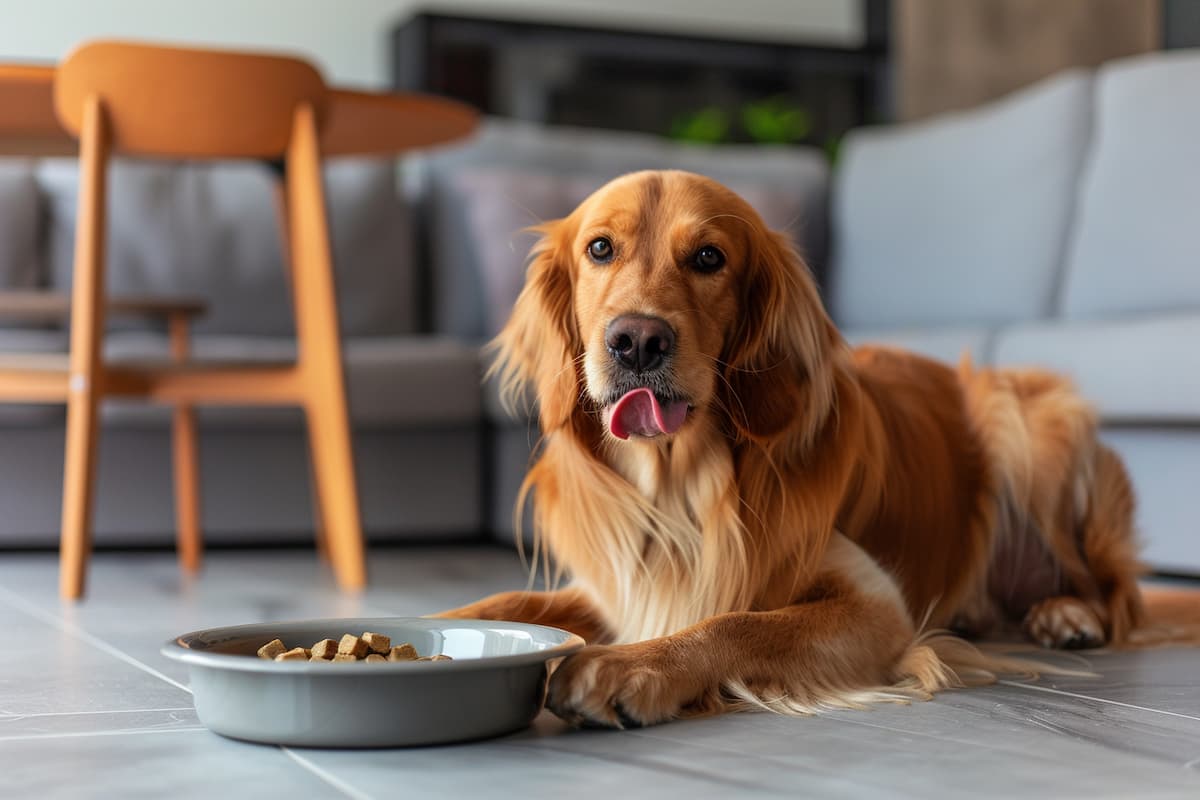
x=349 y=39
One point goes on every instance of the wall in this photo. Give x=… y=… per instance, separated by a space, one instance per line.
x=951 y=54
x=349 y=38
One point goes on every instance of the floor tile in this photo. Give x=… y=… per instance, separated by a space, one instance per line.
x=44 y=668
x=246 y=587
x=181 y=765
x=1166 y=679
x=861 y=754
x=63 y=723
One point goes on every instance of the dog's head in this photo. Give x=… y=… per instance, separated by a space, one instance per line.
x=663 y=297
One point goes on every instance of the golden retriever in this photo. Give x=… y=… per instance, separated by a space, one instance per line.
x=751 y=513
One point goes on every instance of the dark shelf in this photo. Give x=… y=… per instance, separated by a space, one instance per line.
x=633 y=80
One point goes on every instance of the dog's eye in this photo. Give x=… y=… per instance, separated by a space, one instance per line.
x=600 y=250
x=708 y=259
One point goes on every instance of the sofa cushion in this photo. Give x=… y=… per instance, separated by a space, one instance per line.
x=212 y=230
x=500 y=205
x=1137 y=237
x=1136 y=370
x=393 y=381
x=534 y=173
x=947 y=344
x=961 y=219
x=20 y=265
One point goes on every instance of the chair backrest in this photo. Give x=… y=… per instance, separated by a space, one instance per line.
x=180 y=103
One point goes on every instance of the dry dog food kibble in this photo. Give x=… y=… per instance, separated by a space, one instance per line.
x=403 y=652
x=324 y=650
x=271 y=649
x=368 y=647
x=377 y=642
x=352 y=645
x=295 y=654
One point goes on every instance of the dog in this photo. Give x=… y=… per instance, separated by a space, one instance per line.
x=753 y=514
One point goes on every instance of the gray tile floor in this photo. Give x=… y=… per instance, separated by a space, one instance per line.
x=88 y=708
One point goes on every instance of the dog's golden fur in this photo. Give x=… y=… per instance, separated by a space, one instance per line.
x=819 y=508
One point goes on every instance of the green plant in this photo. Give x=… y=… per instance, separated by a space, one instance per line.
x=709 y=125
x=776 y=121
x=772 y=120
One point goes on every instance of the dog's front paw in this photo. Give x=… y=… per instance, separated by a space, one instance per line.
x=618 y=686
x=1064 y=622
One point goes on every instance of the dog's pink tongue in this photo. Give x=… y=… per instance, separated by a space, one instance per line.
x=638 y=413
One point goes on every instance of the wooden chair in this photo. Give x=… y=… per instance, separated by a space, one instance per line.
x=29 y=127
x=141 y=100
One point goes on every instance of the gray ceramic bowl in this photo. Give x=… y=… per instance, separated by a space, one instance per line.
x=494 y=685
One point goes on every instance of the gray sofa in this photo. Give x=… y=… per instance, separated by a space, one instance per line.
x=211 y=231
x=1056 y=227
x=1059 y=227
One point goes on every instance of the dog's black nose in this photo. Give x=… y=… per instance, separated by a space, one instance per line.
x=639 y=343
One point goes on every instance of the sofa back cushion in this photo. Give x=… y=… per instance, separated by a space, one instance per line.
x=212 y=230
x=515 y=174
x=1136 y=245
x=962 y=218
x=19 y=229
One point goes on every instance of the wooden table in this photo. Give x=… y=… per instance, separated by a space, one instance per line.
x=356 y=123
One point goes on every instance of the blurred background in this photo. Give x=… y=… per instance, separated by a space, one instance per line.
x=843 y=61
x=1016 y=179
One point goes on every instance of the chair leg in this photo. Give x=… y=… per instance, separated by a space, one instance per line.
x=79 y=471
x=320 y=354
x=333 y=468
x=281 y=216
x=189 y=541
x=86 y=370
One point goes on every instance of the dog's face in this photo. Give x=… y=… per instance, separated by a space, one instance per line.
x=657 y=260
x=664 y=296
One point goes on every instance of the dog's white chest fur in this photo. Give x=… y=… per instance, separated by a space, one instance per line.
x=663 y=559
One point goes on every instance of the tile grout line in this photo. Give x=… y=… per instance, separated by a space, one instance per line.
x=1019 y=685
x=87 y=734
x=24 y=605
x=74 y=630
x=12 y=715
x=325 y=775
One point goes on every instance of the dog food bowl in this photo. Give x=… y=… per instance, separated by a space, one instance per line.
x=495 y=683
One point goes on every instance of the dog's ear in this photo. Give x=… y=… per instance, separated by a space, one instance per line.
x=778 y=359
x=538 y=345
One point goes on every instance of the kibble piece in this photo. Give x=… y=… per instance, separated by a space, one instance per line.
x=403 y=652
x=375 y=657
x=352 y=645
x=344 y=657
x=425 y=658
x=377 y=642
x=295 y=654
x=441 y=657
x=271 y=649
x=325 y=649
